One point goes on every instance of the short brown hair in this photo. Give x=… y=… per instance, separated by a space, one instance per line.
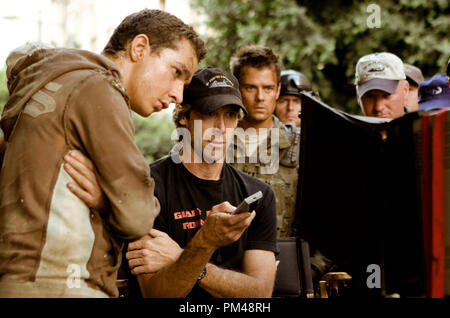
x=254 y=56
x=179 y=112
x=162 y=28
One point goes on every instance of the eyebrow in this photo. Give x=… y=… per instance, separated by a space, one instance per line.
x=184 y=68
x=253 y=85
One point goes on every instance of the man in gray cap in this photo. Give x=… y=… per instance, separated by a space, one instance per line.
x=414 y=77
x=381 y=85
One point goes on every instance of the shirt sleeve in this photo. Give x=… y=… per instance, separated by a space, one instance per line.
x=98 y=121
x=161 y=220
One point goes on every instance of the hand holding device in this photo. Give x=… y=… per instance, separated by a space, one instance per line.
x=244 y=206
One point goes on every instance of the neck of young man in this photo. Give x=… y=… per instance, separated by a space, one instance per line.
x=201 y=169
x=123 y=65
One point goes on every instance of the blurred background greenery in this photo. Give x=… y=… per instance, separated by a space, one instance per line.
x=325 y=39
x=3 y=89
x=322 y=39
x=153 y=135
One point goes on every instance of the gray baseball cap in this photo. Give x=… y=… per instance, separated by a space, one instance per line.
x=413 y=73
x=380 y=71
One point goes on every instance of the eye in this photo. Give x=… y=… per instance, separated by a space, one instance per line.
x=176 y=71
x=231 y=114
x=367 y=96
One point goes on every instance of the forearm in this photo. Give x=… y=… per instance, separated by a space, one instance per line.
x=177 y=279
x=123 y=174
x=225 y=283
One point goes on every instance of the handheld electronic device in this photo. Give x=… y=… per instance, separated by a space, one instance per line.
x=245 y=204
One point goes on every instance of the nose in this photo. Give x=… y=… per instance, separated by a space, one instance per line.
x=260 y=94
x=290 y=106
x=220 y=123
x=379 y=104
x=176 y=94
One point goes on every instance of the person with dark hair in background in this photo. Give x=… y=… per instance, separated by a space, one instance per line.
x=258 y=71
x=67 y=100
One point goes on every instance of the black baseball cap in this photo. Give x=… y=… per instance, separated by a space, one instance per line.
x=212 y=88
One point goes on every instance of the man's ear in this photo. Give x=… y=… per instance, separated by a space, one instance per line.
x=406 y=89
x=139 y=47
x=183 y=121
x=358 y=98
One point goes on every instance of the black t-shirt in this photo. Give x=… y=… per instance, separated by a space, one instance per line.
x=186 y=200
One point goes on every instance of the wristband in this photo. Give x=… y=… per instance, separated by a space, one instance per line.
x=202 y=274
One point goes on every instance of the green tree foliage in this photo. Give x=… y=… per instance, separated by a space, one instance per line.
x=153 y=135
x=325 y=39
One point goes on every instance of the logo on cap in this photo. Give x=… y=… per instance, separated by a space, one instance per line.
x=219 y=81
x=382 y=65
x=437 y=90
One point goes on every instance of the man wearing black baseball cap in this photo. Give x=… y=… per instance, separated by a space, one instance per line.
x=198 y=185
x=197 y=247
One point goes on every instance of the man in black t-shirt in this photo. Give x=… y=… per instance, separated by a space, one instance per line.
x=198 y=248
x=223 y=255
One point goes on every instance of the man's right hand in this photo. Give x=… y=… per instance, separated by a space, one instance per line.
x=152 y=252
x=222 y=228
